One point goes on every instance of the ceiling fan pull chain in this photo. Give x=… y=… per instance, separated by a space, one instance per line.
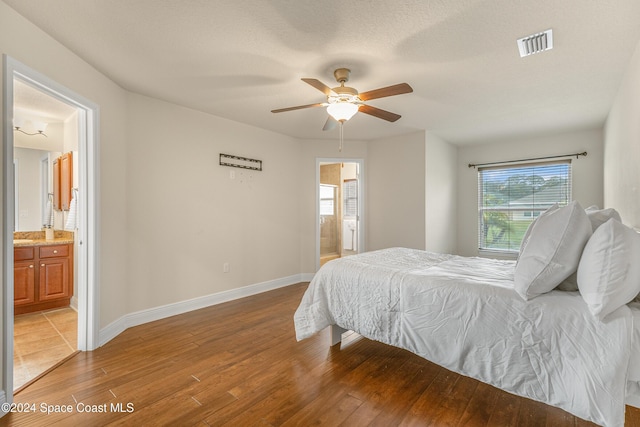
x=341 y=136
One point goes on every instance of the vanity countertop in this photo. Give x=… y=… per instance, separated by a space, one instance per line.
x=37 y=238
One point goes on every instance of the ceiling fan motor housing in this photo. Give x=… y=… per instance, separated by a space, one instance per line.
x=342 y=75
x=344 y=94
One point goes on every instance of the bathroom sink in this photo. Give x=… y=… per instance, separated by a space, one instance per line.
x=22 y=241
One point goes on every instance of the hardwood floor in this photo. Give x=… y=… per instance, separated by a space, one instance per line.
x=238 y=364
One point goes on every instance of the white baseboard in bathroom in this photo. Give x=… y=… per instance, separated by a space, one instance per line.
x=149 y=315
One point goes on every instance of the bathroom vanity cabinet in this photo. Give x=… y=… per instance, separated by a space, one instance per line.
x=43 y=277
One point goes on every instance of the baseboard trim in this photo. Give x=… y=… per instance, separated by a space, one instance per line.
x=152 y=314
x=306 y=277
x=74 y=302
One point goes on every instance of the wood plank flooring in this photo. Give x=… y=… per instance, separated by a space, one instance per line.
x=238 y=364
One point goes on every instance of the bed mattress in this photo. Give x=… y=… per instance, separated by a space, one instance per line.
x=463 y=314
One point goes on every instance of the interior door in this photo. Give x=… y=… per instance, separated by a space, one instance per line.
x=339 y=212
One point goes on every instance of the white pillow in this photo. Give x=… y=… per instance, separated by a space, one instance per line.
x=553 y=250
x=570 y=284
x=599 y=216
x=527 y=234
x=609 y=271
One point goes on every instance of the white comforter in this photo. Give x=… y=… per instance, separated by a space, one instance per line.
x=463 y=314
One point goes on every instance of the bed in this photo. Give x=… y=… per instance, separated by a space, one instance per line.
x=465 y=314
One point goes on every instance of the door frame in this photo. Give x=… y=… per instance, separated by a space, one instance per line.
x=87 y=258
x=361 y=196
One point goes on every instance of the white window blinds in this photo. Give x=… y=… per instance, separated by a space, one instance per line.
x=511 y=197
x=350 y=191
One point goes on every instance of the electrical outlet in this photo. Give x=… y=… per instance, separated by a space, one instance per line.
x=225 y=267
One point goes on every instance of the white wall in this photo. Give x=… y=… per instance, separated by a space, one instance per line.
x=622 y=147
x=587 y=173
x=186 y=217
x=396 y=192
x=441 y=186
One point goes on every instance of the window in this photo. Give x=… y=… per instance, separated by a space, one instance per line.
x=327 y=199
x=350 y=191
x=511 y=197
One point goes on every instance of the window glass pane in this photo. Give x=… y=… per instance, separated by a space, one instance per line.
x=326 y=191
x=350 y=191
x=327 y=199
x=326 y=207
x=510 y=198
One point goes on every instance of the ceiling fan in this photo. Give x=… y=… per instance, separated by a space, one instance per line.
x=343 y=101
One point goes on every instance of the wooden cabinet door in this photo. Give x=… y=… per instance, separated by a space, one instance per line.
x=24 y=282
x=66 y=180
x=54 y=279
x=56 y=184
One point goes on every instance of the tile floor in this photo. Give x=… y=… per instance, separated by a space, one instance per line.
x=40 y=340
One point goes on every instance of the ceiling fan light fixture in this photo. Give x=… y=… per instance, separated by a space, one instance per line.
x=342 y=111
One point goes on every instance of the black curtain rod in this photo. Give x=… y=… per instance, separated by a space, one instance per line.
x=474 y=165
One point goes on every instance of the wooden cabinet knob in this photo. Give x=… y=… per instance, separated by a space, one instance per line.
x=41 y=265
x=55 y=251
x=31 y=266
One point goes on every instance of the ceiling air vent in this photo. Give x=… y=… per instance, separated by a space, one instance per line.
x=535 y=43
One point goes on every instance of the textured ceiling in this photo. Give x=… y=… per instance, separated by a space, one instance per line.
x=239 y=59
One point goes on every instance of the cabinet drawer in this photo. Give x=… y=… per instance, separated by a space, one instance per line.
x=54 y=251
x=23 y=253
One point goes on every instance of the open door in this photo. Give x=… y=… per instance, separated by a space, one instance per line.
x=339 y=209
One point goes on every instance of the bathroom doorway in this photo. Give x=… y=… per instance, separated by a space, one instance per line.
x=339 y=209
x=45 y=325
x=29 y=103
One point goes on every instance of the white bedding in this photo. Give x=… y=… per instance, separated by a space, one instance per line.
x=463 y=314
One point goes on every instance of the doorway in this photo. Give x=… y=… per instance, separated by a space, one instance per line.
x=81 y=127
x=339 y=209
x=45 y=326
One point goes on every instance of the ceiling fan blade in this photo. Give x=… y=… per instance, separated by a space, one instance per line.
x=299 y=107
x=398 y=89
x=319 y=85
x=330 y=124
x=379 y=113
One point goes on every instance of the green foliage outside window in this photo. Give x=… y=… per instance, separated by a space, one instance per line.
x=511 y=198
